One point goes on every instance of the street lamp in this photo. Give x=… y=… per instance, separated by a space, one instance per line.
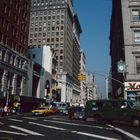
x=122 y=69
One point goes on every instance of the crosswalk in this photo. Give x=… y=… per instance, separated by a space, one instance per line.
x=52 y=124
x=26 y=126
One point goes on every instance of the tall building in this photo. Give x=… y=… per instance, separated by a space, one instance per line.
x=125 y=48
x=54 y=23
x=14 y=25
x=91 y=88
x=82 y=82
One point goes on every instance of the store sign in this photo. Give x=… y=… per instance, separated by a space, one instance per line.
x=132 y=86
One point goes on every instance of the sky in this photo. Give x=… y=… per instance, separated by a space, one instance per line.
x=94 y=17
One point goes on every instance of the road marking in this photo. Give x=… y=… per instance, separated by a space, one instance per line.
x=93 y=135
x=11 y=132
x=16 y=120
x=26 y=130
x=1 y=123
x=75 y=124
x=124 y=132
x=30 y=118
x=76 y=132
x=47 y=126
x=62 y=119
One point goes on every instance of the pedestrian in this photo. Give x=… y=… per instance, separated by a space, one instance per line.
x=1 y=110
x=6 y=110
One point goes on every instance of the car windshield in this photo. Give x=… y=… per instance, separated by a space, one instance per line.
x=41 y=108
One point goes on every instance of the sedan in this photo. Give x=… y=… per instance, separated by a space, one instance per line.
x=76 y=112
x=42 y=111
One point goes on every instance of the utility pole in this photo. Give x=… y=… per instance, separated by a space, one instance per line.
x=106 y=86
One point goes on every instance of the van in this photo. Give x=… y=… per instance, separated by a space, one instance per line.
x=61 y=106
x=113 y=110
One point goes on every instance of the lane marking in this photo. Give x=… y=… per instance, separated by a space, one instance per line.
x=11 y=132
x=58 y=119
x=125 y=132
x=30 y=118
x=93 y=135
x=1 y=123
x=16 y=120
x=75 y=124
x=47 y=126
x=76 y=132
x=26 y=130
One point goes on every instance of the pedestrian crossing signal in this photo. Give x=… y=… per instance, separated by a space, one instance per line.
x=81 y=77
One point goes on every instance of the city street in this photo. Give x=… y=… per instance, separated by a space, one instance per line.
x=58 y=127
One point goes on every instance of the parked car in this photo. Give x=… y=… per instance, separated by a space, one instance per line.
x=113 y=110
x=42 y=111
x=76 y=112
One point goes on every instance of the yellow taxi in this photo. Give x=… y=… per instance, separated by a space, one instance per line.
x=42 y=111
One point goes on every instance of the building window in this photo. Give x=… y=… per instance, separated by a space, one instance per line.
x=30 y=40
x=53 y=28
x=61 y=51
x=35 y=35
x=61 y=57
x=135 y=15
x=44 y=34
x=44 y=28
x=137 y=36
x=57 y=39
x=57 y=45
x=138 y=64
x=48 y=40
x=52 y=40
x=44 y=41
x=33 y=56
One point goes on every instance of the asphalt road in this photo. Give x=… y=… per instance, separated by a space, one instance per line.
x=58 y=127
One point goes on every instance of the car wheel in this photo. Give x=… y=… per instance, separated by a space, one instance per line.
x=84 y=119
x=136 y=122
x=98 y=119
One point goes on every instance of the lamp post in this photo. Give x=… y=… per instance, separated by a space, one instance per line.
x=122 y=69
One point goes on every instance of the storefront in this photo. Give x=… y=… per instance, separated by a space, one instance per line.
x=132 y=90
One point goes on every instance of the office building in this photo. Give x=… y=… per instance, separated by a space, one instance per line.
x=125 y=48
x=14 y=25
x=54 y=23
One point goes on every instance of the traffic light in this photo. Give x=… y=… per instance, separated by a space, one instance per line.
x=81 y=77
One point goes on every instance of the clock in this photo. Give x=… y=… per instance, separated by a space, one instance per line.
x=121 y=67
